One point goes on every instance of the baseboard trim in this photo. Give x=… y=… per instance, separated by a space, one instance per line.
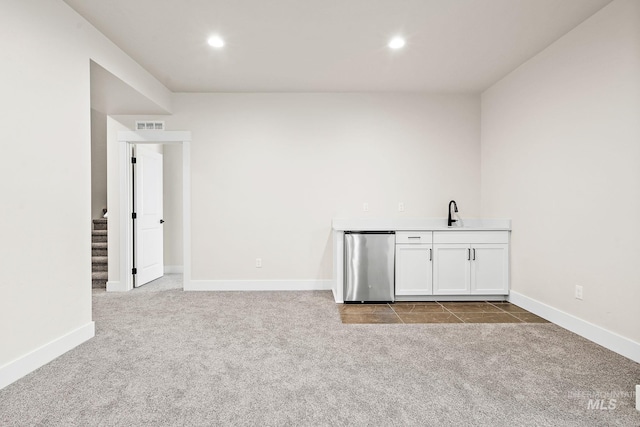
x=259 y=285
x=33 y=360
x=116 y=286
x=595 y=333
x=173 y=269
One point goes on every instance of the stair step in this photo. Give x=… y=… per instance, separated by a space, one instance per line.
x=100 y=224
x=97 y=284
x=99 y=259
x=99 y=263
x=99 y=236
x=99 y=275
x=99 y=249
x=99 y=252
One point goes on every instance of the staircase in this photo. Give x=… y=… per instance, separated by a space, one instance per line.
x=99 y=263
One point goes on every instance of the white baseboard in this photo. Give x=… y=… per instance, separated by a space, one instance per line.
x=173 y=269
x=33 y=360
x=259 y=285
x=116 y=286
x=595 y=333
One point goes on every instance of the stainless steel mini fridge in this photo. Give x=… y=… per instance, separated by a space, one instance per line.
x=369 y=266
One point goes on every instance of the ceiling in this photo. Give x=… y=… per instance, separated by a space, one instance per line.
x=333 y=45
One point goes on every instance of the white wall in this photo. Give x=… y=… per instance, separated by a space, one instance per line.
x=98 y=163
x=270 y=171
x=113 y=196
x=45 y=178
x=172 y=184
x=561 y=157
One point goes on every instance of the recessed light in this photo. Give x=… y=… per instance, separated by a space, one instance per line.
x=397 y=43
x=215 y=41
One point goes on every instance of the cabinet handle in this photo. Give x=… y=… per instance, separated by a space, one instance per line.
x=430 y=254
x=468 y=254
x=474 y=254
x=414 y=237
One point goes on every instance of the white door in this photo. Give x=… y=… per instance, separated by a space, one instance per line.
x=413 y=270
x=490 y=269
x=451 y=275
x=149 y=263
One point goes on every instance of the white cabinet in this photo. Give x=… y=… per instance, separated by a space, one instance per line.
x=490 y=269
x=413 y=263
x=452 y=263
x=413 y=270
x=451 y=269
x=435 y=262
x=471 y=263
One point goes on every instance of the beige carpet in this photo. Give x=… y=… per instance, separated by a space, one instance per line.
x=173 y=358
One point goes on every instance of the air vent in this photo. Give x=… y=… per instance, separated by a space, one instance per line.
x=149 y=125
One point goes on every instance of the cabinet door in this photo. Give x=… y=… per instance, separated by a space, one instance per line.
x=490 y=269
x=413 y=270
x=451 y=275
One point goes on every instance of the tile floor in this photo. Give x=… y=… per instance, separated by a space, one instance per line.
x=437 y=312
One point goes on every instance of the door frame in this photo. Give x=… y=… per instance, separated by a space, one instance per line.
x=125 y=140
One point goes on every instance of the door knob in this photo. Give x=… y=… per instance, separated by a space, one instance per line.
x=162 y=221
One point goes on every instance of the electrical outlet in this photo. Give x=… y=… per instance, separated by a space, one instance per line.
x=258 y=262
x=578 y=292
x=400 y=207
x=365 y=207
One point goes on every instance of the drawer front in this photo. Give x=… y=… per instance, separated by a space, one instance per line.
x=414 y=237
x=472 y=237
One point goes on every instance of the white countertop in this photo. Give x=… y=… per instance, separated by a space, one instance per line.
x=418 y=224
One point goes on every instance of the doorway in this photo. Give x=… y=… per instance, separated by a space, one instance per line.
x=126 y=141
